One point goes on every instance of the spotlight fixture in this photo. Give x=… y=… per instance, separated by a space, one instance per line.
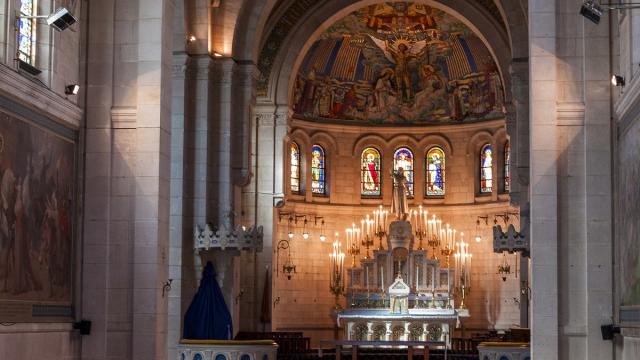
x=593 y=10
x=617 y=80
x=72 y=89
x=59 y=20
x=191 y=38
x=217 y=54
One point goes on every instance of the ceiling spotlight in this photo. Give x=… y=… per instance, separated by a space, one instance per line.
x=72 y=89
x=290 y=235
x=191 y=38
x=617 y=80
x=322 y=237
x=591 y=10
x=217 y=54
x=59 y=20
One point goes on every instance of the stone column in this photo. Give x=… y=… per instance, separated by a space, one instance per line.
x=543 y=192
x=176 y=220
x=220 y=201
x=151 y=176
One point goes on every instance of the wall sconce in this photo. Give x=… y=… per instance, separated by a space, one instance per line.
x=305 y=231
x=323 y=237
x=506 y=217
x=191 y=39
x=478 y=237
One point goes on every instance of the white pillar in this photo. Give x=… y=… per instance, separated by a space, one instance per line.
x=543 y=151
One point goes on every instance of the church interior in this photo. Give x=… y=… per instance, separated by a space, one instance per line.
x=306 y=179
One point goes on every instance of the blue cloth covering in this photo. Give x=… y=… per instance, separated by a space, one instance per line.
x=208 y=317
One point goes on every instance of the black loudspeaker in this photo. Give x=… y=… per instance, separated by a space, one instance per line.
x=608 y=331
x=84 y=326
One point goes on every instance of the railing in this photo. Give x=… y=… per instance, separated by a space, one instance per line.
x=410 y=345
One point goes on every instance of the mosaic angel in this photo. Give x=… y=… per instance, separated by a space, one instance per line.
x=400 y=53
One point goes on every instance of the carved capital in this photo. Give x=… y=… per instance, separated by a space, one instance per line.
x=222 y=71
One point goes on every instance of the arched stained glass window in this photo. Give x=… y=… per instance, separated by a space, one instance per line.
x=370 y=169
x=507 y=170
x=318 y=170
x=435 y=172
x=486 y=169
x=294 y=152
x=403 y=158
x=27 y=32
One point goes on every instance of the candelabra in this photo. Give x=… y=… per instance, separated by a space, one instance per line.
x=367 y=235
x=380 y=225
x=433 y=234
x=336 y=281
x=421 y=223
x=462 y=271
x=353 y=243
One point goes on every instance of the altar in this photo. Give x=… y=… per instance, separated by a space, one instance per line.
x=402 y=291
x=420 y=309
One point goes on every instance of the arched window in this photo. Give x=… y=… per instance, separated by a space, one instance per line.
x=403 y=158
x=370 y=169
x=27 y=32
x=486 y=169
x=318 y=170
x=294 y=152
x=507 y=170
x=435 y=172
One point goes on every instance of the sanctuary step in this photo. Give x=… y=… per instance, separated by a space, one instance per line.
x=288 y=342
x=379 y=354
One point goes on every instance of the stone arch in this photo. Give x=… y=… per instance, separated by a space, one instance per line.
x=376 y=141
x=327 y=141
x=437 y=139
x=477 y=140
x=250 y=24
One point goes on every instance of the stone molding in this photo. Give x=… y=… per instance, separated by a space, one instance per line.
x=124 y=117
x=570 y=114
x=222 y=70
x=199 y=67
x=39 y=98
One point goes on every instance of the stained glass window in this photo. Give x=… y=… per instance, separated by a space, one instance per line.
x=318 y=170
x=486 y=169
x=370 y=178
x=27 y=32
x=403 y=158
x=294 y=151
x=435 y=172
x=507 y=170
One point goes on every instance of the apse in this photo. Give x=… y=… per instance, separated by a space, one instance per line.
x=395 y=64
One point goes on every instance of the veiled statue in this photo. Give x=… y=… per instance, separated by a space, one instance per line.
x=399 y=201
